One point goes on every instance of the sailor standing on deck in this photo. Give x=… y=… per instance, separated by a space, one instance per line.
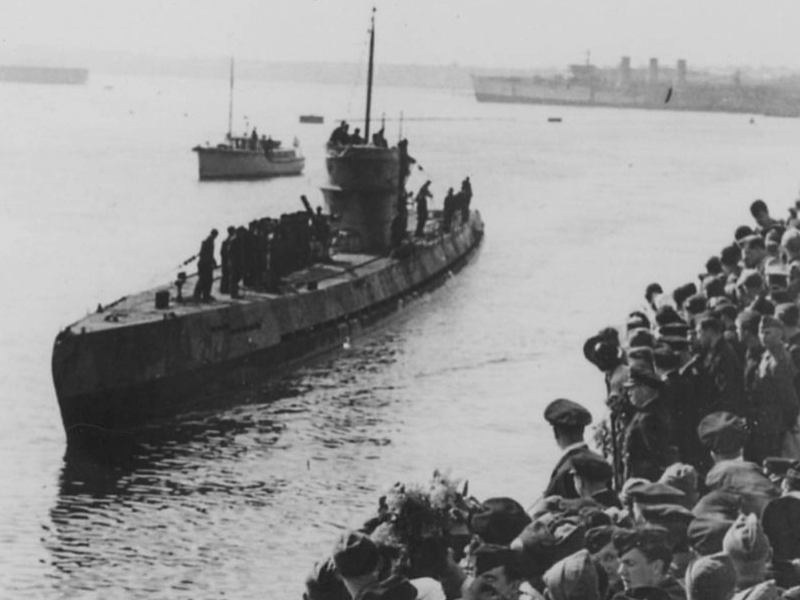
x=421 y=201
x=205 y=268
x=568 y=420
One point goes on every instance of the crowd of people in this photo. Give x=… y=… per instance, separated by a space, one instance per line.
x=259 y=255
x=341 y=136
x=693 y=495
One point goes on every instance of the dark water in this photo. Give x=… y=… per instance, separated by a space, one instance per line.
x=100 y=198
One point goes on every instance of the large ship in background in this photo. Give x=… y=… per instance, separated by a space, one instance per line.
x=53 y=75
x=649 y=88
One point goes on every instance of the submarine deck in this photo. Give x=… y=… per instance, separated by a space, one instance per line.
x=140 y=307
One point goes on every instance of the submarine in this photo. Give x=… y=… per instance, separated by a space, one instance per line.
x=153 y=355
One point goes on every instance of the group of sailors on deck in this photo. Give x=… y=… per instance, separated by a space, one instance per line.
x=341 y=136
x=258 y=256
x=695 y=493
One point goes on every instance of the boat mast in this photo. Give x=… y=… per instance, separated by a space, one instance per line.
x=369 y=74
x=230 y=105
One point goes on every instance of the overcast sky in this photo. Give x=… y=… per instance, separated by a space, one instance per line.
x=491 y=33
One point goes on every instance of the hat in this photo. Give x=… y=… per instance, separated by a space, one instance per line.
x=781 y=523
x=499 y=520
x=791 y=240
x=641 y=376
x=631 y=484
x=742 y=232
x=730 y=255
x=706 y=533
x=626 y=540
x=652 y=290
x=602 y=352
x=788 y=312
x=667 y=314
x=636 y=320
x=598 y=538
x=355 y=554
x=592 y=467
x=672 y=517
x=714 y=286
x=711 y=577
x=726 y=504
x=745 y=540
x=641 y=337
x=723 y=432
x=750 y=278
x=763 y=306
x=574 y=577
x=695 y=304
x=656 y=493
x=683 y=292
x=684 y=478
x=567 y=413
x=640 y=354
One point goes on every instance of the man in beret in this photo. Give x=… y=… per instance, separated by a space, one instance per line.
x=725 y=435
x=645 y=557
x=649 y=442
x=592 y=475
x=568 y=420
x=754 y=252
x=772 y=404
x=749 y=287
x=718 y=369
x=764 y=222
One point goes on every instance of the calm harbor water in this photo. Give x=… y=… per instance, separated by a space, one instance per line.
x=100 y=197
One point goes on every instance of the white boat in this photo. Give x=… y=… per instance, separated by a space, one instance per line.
x=247 y=157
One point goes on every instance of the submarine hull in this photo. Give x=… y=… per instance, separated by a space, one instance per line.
x=113 y=378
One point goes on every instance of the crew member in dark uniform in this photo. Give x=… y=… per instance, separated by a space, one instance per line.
x=718 y=369
x=224 y=251
x=205 y=268
x=421 y=201
x=568 y=420
x=592 y=475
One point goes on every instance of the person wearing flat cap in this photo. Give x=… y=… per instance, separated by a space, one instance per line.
x=718 y=369
x=592 y=476
x=772 y=404
x=725 y=435
x=362 y=568
x=645 y=557
x=649 y=444
x=749 y=549
x=711 y=578
x=568 y=420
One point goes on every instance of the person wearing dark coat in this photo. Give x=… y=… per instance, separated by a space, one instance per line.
x=592 y=475
x=205 y=268
x=772 y=404
x=718 y=369
x=649 y=446
x=568 y=420
x=224 y=259
x=421 y=200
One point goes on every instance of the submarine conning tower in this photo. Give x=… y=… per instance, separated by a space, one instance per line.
x=362 y=194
